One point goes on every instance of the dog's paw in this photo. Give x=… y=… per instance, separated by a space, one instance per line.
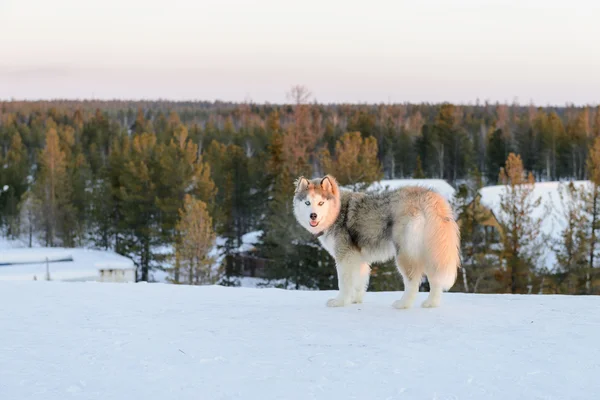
x=401 y=304
x=358 y=297
x=336 y=302
x=429 y=303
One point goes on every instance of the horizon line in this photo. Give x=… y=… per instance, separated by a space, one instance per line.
x=476 y=103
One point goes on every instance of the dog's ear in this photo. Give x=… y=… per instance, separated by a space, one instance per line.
x=329 y=185
x=301 y=184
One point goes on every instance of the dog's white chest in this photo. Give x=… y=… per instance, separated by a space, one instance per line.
x=328 y=243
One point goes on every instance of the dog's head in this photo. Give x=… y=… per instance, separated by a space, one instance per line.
x=316 y=203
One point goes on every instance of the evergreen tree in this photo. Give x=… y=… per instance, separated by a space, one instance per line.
x=479 y=259
x=550 y=132
x=364 y=123
x=430 y=151
x=521 y=241
x=279 y=224
x=180 y=171
x=138 y=192
x=195 y=240
x=355 y=161
x=235 y=201
x=497 y=151
x=418 y=173
x=528 y=146
x=97 y=136
x=109 y=219
x=452 y=144
x=593 y=207
x=404 y=154
x=596 y=126
x=141 y=124
x=52 y=191
x=103 y=225
x=75 y=225
x=14 y=170
x=573 y=147
x=572 y=249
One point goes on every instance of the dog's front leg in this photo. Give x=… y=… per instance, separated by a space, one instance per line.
x=346 y=272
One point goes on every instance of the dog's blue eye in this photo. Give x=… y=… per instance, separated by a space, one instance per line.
x=307 y=203
x=321 y=203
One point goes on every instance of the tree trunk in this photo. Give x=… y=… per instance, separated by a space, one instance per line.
x=593 y=238
x=464 y=275
x=513 y=278
x=145 y=260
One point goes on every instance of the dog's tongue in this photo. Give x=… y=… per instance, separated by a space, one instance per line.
x=314 y=223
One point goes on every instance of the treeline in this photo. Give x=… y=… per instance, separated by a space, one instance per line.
x=134 y=176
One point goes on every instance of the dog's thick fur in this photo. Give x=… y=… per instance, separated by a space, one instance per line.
x=413 y=225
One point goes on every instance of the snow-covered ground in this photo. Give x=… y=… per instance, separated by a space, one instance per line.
x=155 y=341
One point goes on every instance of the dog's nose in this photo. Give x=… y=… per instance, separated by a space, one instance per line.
x=313 y=216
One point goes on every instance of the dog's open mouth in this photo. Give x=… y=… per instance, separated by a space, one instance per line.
x=314 y=223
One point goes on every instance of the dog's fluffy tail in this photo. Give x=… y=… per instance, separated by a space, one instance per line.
x=443 y=241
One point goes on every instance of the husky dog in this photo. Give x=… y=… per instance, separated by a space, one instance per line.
x=412 y=225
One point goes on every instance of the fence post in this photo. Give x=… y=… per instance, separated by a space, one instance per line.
x=47 y=270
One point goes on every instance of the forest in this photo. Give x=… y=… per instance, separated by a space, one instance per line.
x=166 y=182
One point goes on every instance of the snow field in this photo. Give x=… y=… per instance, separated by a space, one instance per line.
x=154 y=341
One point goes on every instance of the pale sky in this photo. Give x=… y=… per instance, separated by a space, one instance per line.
x=546 y=51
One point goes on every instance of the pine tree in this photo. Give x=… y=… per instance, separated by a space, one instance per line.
x=549 y=130
x=596 y=126
x=593 y=167
x=140 y=225
x=362 y=122
x=235 y=202
x=573 y=146
x=431 y=150
x=180 y=171
x=452 y=146
x=404 y=154
x=14 y=170
x=572 y=249
x=418 y=173
x=52 y=191
x=521 y=241
x=279 y=223
x=75 y=225
x=109 y=206
x=355 y=162
x=195 y=240
x=497 y=152
x=232 y=176
x=141 y=124
x=479 y=259
x=299 y=138
x=103 y=226
x=273 y=122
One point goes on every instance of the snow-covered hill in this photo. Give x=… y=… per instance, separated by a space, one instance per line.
x=155 y=341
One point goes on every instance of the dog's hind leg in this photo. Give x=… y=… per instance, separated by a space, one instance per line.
x=435 y=296
x=361 y=283
x=411 y=275
x=411 y=288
